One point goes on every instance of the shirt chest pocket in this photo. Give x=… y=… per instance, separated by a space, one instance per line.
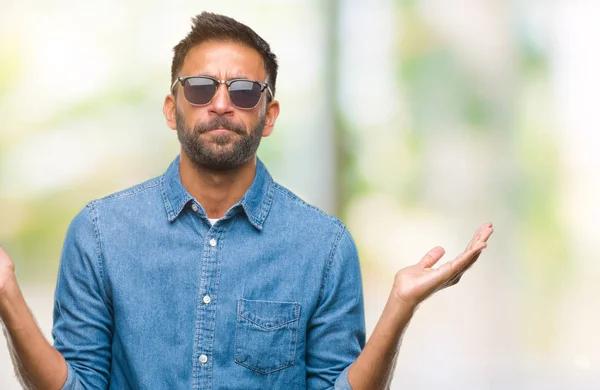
x=266 y=334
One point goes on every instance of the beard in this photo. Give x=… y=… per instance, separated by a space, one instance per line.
x=223 y=151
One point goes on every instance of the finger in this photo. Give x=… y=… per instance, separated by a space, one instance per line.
x=450 y=273
x=432 y=257
x=458 y=266
x=486 y=232
x=466 y=259
x=463 y=265
x=481 y=235
x=442 y=275
x=474 y=239
x=453 y=270
x=452 y=281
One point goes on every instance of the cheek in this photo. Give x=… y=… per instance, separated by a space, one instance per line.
x=255 y=121
x=263 y=111
x=188 y=117
x=179 y=117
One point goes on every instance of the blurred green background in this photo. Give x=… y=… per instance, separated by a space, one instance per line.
x=413 y=121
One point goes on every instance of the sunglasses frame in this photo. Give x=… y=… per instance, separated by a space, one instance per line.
x=183 y=79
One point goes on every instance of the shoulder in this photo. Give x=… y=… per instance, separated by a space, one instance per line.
x=144 y=196
x=302 y=210
x=119 y=205
x=310 y=222
x=147 y=188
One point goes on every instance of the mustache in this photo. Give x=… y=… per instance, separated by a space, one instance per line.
x=220 y=122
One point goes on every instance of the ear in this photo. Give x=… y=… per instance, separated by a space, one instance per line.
x=272 y=114
x=169 y=110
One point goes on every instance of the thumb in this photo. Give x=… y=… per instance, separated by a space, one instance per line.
x=432 y=257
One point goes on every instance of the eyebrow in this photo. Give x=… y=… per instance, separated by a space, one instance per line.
x=235 y=76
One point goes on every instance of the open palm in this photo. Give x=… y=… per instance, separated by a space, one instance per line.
x=415 y=283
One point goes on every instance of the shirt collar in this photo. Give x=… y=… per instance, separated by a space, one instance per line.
x=258 y=198
x=256 y=202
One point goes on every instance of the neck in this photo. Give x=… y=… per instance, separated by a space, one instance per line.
x=216 y=191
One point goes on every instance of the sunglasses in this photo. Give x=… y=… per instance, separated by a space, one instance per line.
x=200 y=90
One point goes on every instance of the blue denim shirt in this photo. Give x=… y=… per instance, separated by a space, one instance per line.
x=151 y=296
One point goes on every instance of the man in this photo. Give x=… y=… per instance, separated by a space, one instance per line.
x=212 y=276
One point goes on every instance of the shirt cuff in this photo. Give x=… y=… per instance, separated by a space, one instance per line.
x=341 y=383
x=72 y=383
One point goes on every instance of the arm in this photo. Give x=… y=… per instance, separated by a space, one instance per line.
x=336 y=331
x=83 y=324
x=83 y=320
x=412 y=285
x=37 y=364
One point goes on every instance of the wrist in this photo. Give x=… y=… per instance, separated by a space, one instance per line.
x=400 y=304
x=9 y=294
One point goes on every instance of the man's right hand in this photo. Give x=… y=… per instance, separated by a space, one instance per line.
x=8 y=280
x=37 y=364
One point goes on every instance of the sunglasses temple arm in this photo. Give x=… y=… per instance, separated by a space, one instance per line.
x=178 y=79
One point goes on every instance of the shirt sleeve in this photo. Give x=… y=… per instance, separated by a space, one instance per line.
x=336 y=331
x=83 y=325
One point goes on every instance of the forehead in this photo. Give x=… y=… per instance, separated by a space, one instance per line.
x=224 y=60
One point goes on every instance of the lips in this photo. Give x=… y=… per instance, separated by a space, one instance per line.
x=222 y=130
x=220 y=125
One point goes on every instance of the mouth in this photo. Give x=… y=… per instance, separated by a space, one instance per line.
x=221 y=130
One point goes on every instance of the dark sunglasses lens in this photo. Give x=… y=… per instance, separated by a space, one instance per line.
x=198 y=90
x=244 y=94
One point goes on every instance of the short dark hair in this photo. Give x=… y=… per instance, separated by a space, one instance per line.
x=213 y=27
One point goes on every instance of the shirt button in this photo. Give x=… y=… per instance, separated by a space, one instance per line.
x=213 y=242
x=194 y=207
x=203 y=358
x=206 y=299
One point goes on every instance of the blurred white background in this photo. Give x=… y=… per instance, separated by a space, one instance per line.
x=413 y=121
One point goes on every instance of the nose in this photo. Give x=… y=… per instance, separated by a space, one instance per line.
x=221 y=104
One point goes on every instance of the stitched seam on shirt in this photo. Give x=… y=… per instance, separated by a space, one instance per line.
x=103 y=283
x=268 y=327
x=130 y=192
x=266 y=206
x=170 y=212
x=258 y=371
x=334 y=248
x=290 y=195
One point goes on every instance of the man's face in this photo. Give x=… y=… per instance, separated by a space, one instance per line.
x=219 y=135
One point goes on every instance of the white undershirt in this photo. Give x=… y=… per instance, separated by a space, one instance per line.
x=213 y=220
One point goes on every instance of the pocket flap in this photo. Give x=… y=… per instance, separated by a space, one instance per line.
x=268 y=314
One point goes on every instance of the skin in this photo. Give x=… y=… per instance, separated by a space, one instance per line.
x=37 y=363
x=374 y=367
x=41 y=366
x=217 y=191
